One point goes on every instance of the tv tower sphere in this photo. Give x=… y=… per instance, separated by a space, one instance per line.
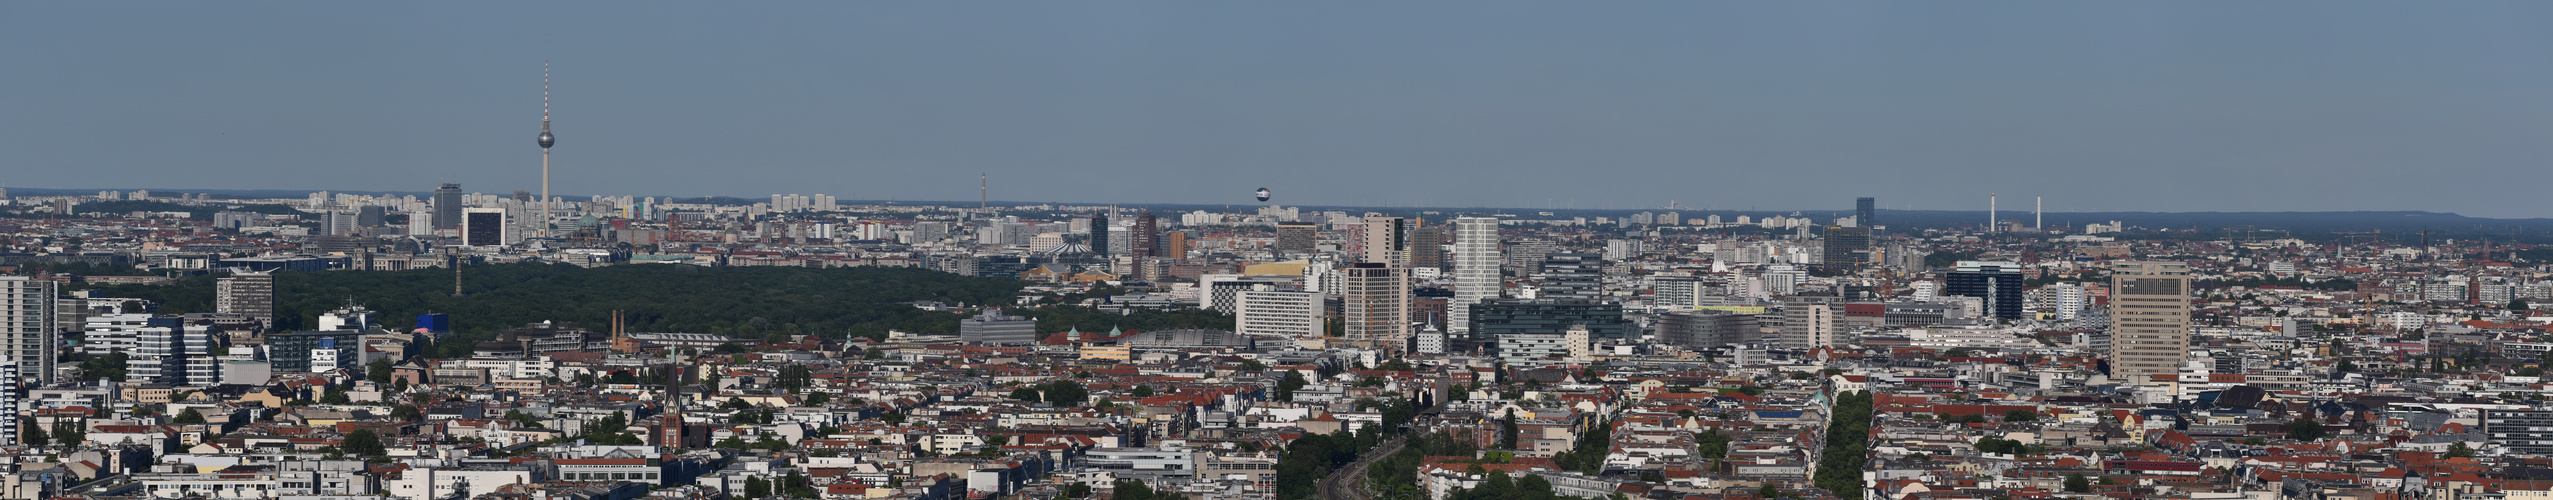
x=546 y=138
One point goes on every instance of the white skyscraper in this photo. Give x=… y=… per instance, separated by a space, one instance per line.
x=27 y=329
x=1476 y=262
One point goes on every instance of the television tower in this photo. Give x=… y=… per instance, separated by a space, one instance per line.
x=546 y=141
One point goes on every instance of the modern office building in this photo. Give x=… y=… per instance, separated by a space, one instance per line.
x=1847 y=246
x=1865 y=212
x=1572 y=276
x=29 y=336
x=1492 y=318
x=995 y=327
x=1384 y=240
x=1678 y=292
x=247 y=294
x=485 y=227
x=312 y=351
x=2523 y=431
x=1375 y=305
x=1807 y=325
x=1297 y=238
x=1099 y=234
x=447 y=206
x=1476 y=268
x=1174 y=245
x=339 y=223
x=1222 y=292
x=1703 y=329
x=174 y=353
x=1998 y=285
x=2149 y=319
x=1145 y=238
x=1278 y=313
x=1427 y=247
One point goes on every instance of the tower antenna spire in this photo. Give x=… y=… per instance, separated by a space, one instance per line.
x=546 y=141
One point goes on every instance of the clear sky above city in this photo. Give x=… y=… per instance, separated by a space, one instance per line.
x=2156 y=106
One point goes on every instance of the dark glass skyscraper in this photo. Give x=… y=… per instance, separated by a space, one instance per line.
x=1572 y=276
x=1997 y=285
x=1146 y=240
x=1865 y=211
x=447 y=206
x=1099 y=234
x=1847 y=246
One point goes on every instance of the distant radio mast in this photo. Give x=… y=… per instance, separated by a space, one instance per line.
x=546 y=141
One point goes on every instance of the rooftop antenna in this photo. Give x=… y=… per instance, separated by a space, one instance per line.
x=546 y=141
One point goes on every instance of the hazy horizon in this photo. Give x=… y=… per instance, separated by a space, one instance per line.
x=2112 y=107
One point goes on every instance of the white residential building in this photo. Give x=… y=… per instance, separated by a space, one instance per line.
x=1476 y=269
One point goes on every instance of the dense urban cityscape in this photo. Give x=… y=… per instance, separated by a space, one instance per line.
x=1114 y=250
x=472 y=345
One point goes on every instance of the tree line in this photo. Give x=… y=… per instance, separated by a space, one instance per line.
x=1839 y=465
x=749 y=302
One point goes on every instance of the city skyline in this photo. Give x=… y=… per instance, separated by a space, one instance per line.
x=2253 y=107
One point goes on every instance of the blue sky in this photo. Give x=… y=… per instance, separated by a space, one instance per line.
x=2163 y=106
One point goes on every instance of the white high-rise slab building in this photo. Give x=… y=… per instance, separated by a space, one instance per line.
x=1281 y=314
x=1476 y=261
x=27 y=331
x=2149 y=320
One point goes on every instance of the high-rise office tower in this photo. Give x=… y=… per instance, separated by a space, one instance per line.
x=29 y=335
x=1427 y=246
x=1997 y=285
x=1476 y=268
x=1174 y=245
x=247 y=294
x=1807 y=325
x=2149 y=319
x=1385 y=240
x=1572 y=276
x=1295 y=238
x=1146 y=236
x=1376 y=305
x=158 y=355
x=1847 y=246
x=1099 y=234
x=1865 y=211
x=447 y=206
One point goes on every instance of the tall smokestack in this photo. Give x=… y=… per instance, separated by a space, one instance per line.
x=1990 y=212
x=2038 y=212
